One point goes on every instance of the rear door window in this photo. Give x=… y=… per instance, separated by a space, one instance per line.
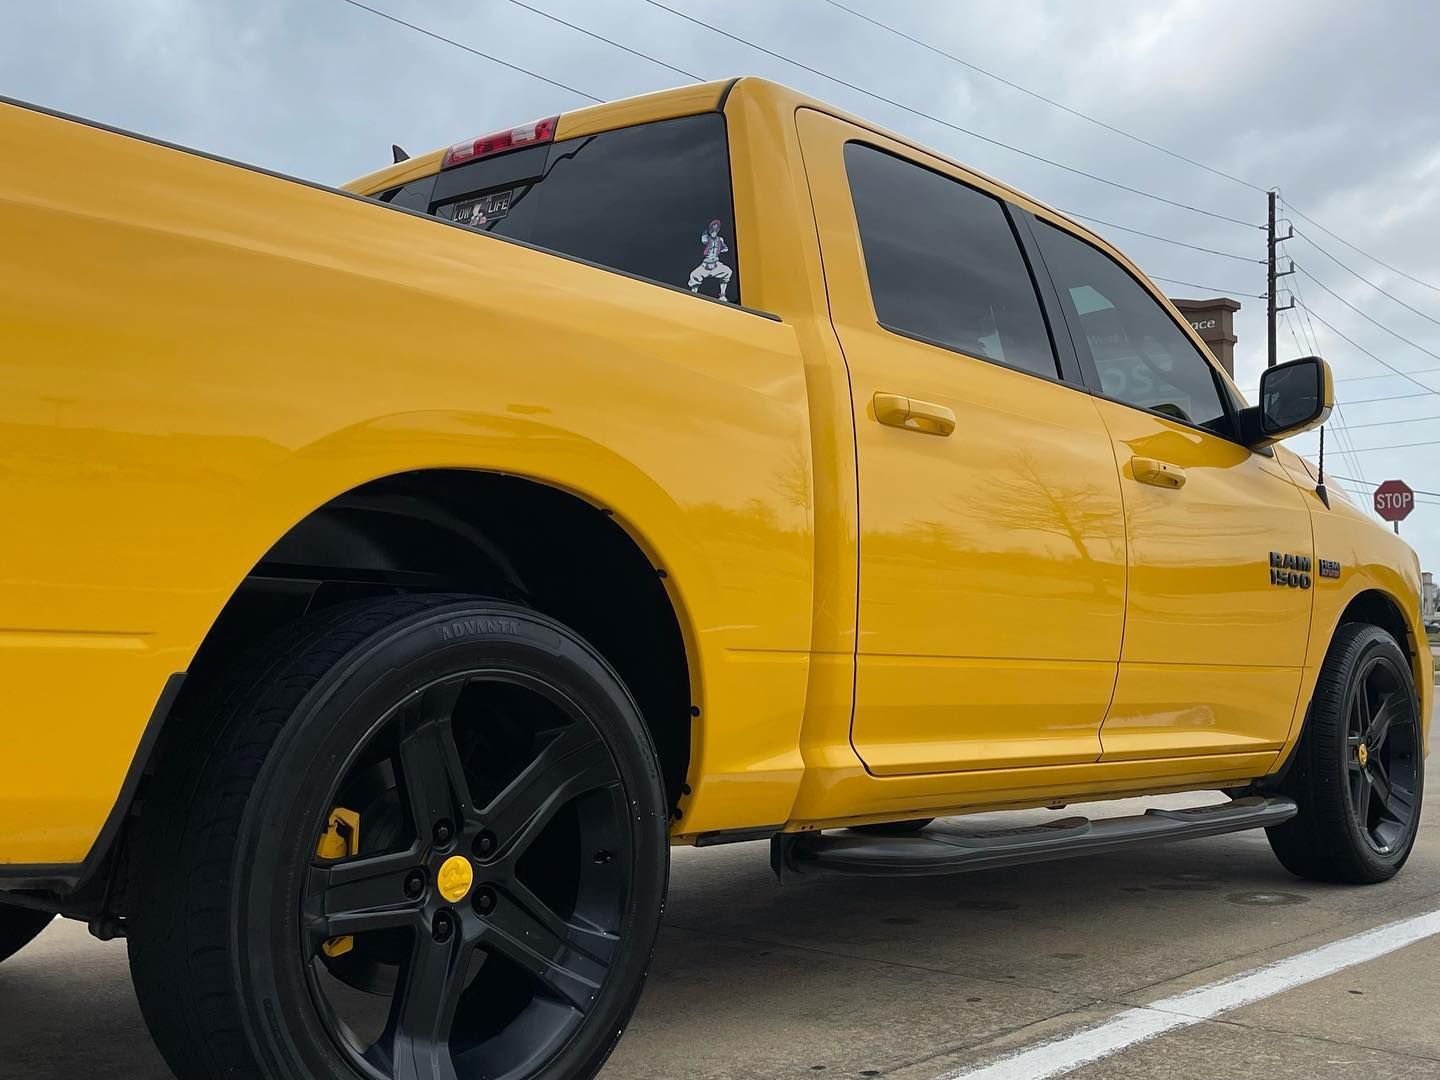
x=944 y=263
x=652 y=200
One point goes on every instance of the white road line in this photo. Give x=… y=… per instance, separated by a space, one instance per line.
x=1062 y=1055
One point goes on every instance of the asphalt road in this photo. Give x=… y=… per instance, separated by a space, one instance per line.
x=924 y=980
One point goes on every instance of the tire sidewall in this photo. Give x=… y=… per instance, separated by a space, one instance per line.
x=293 y=791
x=1368 y=643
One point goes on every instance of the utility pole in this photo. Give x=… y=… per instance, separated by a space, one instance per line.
x=1272 y=276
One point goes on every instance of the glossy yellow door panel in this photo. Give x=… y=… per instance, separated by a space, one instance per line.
x=1213 y=651
x=200 y=355
x=992 y=546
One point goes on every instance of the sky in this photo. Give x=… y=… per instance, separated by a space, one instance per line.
x=1336 y=104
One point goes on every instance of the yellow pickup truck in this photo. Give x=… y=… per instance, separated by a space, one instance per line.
x=391 y=575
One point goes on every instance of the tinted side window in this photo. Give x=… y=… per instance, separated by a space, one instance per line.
x=415 y=195
x=1141 y=357
x=944 y=263
x=652 y=200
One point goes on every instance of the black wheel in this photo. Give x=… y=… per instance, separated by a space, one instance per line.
x=18 y=927
x=423 y=838
x=893 y=828
x=1359 y=771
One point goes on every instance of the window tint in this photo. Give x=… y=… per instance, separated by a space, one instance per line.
x=1141 y=357
x=652 y=200
x=412 y=196
x=944 y=263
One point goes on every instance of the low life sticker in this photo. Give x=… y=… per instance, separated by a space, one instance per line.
x=484 y=211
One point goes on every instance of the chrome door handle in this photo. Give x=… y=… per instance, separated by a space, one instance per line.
x=909 y=413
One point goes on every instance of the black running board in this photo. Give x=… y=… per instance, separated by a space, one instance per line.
x=949 y=850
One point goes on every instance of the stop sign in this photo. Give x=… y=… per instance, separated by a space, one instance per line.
x=1394 y=500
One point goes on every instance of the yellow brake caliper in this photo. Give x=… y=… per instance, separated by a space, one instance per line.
x=341 y=838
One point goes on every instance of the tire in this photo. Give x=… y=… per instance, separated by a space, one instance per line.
x=1359 y=772
x=18 y=927
x=893 y=828
x=464 y=733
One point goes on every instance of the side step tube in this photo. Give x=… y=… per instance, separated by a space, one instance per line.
x=951 y=850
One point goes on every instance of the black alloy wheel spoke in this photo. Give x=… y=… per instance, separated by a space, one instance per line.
x=423 y=1011
x=1379 y=785
x=431 y=772
x=368 y=892
x=1360 y=717
x=573 y=763
x=569 y=958
x=1361 y=790
x=1384 y=716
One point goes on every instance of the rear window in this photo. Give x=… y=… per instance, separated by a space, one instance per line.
x=652 y=200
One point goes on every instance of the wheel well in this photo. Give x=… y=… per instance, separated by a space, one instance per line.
x=1376 y=608
x=495 y=535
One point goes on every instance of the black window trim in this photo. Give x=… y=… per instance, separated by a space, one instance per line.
x=1091 y=373
x=1064 y=375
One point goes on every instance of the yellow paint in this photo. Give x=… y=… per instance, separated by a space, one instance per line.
x=455 y=878
x=881 y=621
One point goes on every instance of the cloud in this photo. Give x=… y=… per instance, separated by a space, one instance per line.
x=1334 y=103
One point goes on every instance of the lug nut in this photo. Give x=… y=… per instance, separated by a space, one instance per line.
x=414 y=884
x=485 y=901
x=444 y=832
x=485 y=845
x=444 y=926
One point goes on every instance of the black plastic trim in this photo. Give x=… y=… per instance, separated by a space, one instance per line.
x=725 y=94
x=372 y=201
x=737 y=836
x=1050 y=306
x=69 y=877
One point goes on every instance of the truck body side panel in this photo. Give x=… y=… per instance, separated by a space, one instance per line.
x=198 y=355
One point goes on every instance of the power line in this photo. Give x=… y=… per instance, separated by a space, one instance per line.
x=1368 y=483
x=469 y=49
x=1311 y=311
x=1388 y=397
x=1387 y=423
x=1153 y=236
x=1359 y=251
x=1342 y=432
x=1356 y=274
x=1041 y=97
x=1363 y=378
x=1206 y=288
x=607 y=41
x=1396 y=446
x=938 y=120
x=1367 y=318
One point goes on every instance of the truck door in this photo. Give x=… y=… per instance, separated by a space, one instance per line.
x=992 y=561
x=1214 y=641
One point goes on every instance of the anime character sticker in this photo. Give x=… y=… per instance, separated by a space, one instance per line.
x=712 y=246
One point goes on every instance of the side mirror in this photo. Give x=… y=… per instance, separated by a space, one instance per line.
x=1294 y=397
